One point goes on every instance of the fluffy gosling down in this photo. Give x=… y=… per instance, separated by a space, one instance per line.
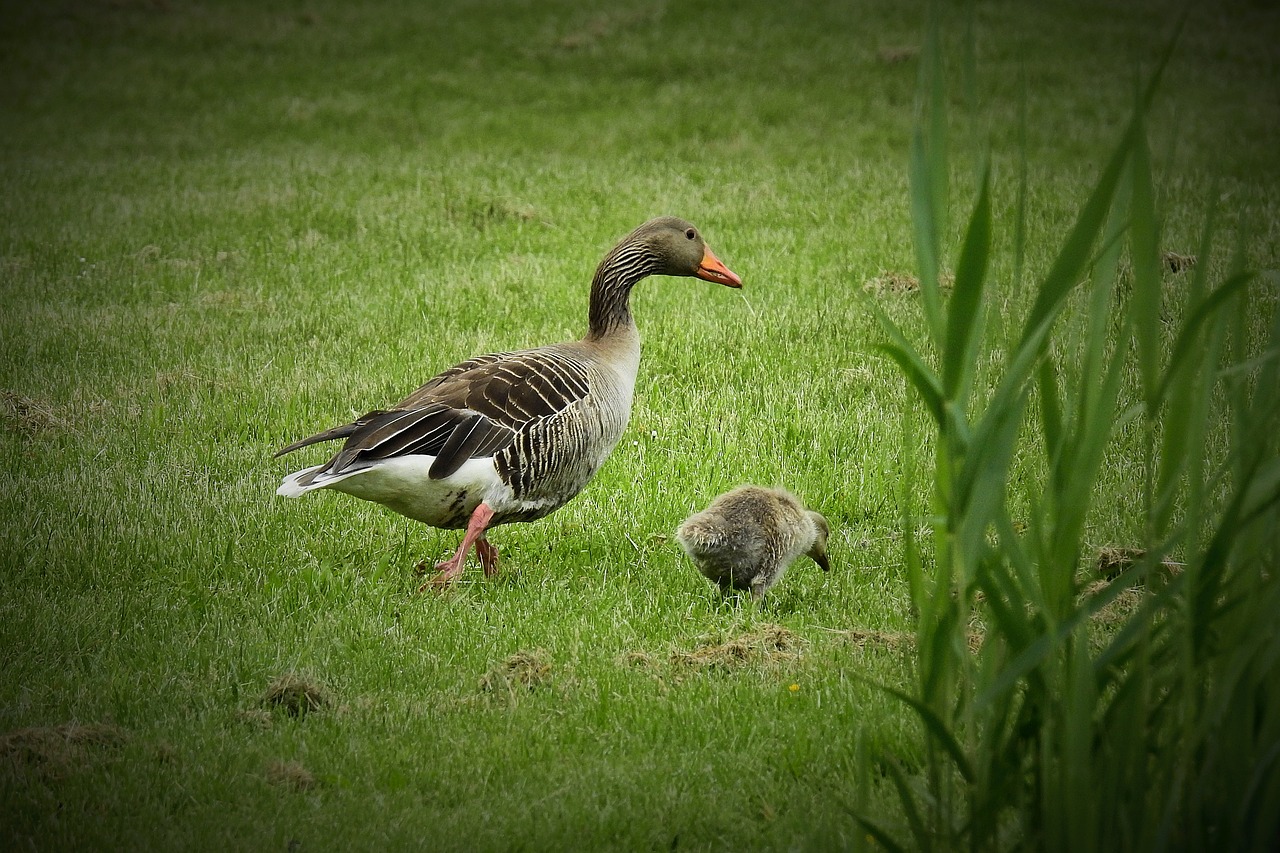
x=748 y=536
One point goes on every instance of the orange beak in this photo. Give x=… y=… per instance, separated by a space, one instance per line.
x=711 y=269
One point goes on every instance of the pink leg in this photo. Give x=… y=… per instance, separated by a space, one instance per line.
x=452 y=567
x=488 y=556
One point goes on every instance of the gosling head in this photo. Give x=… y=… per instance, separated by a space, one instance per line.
x=821 y=531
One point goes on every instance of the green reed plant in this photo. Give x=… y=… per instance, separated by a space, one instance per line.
x=1162 y=734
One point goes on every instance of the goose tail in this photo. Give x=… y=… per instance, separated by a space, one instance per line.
x=299 y=483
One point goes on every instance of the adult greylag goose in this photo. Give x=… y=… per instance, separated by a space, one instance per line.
x=511 y=436
x=747 y=537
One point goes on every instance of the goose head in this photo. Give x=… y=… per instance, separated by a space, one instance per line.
x=678 y=249
x=663 y=246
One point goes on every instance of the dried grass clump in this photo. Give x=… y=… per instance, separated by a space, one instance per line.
x=1176 y=262
x=900 y=282
x=768 y=644
x=604 y=26
x=1113 y=561
x=29 y=417
x=866 y=638
x=298 y=696
x=1116 y=612
x=524 y=671
x=290 y=774
x=640 y=659
x=54 y=752
x=896 y=55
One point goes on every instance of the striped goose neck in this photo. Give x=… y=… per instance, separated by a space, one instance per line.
x=625 y=265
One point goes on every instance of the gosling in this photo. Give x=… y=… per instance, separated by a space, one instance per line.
x=747 y=537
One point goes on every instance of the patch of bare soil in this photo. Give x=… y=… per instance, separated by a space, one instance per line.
x=1112 y=562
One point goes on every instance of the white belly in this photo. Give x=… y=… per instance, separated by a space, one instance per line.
x=404 y=485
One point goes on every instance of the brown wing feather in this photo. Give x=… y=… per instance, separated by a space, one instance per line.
x=451 y=435
x=446 y=379
x=329 y=434
x=510 y=389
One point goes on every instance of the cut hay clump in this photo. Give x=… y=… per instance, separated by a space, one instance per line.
x=1116 y=612
x=1176 y=263
x=54 y=752
x=1114 y=561
x=296 y=695
x=865 y=638
x=291 y=775
x=888 y=283
x=896 y=55
x=29 y=417
x=768 y=644
x=522 y=672
x=636 y=658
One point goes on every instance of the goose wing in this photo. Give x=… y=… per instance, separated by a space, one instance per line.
x=472 y=410
x=513 y=389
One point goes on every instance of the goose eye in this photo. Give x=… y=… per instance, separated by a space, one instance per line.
x=691 y=234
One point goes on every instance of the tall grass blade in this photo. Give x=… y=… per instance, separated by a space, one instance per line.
x=980 y=488
x=926 y=226
x=920 y=375
x=936 y=639
x=1020 y=205
x=1073 y=258
x=1145 y=254
x=907 y=502
x=882 y=837
x=1050 y=409
x=966 y=299
x=924 y=838
x=929 y=173
x=1262 y=494
x=1188 y=337
x=938 y=729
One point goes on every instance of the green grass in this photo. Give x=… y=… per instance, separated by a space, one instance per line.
x=224 y=227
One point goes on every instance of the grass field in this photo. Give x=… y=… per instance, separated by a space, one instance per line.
x=225 y=227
